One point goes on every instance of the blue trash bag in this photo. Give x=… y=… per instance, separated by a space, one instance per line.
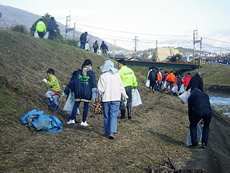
x=38 y=121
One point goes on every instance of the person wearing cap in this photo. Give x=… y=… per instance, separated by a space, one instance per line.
x=82 y=83
x=111 y=89
x=130 y=82
x=195 y=82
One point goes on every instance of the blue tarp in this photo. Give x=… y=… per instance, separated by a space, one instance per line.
x=41 y=122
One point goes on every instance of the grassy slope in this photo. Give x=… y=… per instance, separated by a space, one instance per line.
x=158 y=124
x=215 y=75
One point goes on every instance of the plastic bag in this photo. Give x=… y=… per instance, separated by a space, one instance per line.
x=184 y=97
x=147 y=83
x=164 y=85
x=136 y=98
x=175 y=89
x=199 y=135
x=68 y=107
x=181 y=89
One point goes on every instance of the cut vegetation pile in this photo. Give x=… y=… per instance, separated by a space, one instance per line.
x=156 y=133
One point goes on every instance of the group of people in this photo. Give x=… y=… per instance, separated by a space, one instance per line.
x=42 y=29
x=199 y=107
x=84 y=44
x=164 y=81
x=114 y=86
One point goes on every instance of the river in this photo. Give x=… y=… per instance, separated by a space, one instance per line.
x=221 y=104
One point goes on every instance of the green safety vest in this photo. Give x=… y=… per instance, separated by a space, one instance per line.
x=127 y=76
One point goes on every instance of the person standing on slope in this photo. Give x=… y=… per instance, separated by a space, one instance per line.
x=130 y=82
x=41 y=28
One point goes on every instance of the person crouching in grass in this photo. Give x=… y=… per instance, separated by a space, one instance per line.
x=53 y=89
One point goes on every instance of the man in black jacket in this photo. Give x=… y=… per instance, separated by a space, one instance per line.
x=195 y=82
x=199 y=108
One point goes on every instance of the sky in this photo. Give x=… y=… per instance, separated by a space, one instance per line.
x=167 y=22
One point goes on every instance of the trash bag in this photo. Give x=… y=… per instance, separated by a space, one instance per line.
x=147 y=83
x=68 y=107
x=36 y=35
x=181 y=89
x=199 y=134
x=79 y=44
x=38 y=121
x=136 y=98
x=184 y=97
x=175 y=89
x=164 y=85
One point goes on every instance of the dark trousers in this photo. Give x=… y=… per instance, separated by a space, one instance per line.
x=95 y=50
x=85 y=111
x=51 y=35
x=41 y=34
x=128 y=90
x=82 y=45
x=194 y=118
x=153 y=84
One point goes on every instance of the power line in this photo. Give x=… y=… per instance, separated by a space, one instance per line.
x=135 y=33
x=217 y=40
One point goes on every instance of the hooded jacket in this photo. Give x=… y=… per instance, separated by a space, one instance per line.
x=82 y=85
x=195 y=82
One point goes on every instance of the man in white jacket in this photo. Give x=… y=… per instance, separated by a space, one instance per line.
x=111 y=88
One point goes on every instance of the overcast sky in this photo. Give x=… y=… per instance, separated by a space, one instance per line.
x=170 y=22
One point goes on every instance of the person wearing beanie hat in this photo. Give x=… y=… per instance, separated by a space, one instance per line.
x=111 y=89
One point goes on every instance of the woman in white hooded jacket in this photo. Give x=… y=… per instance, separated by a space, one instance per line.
x=111 y=89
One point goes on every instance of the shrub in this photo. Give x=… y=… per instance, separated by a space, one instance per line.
x=19 y=28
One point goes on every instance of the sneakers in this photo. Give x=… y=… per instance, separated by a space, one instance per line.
x=112 y=136
x=84 y=124
x=71 y=122
x=203 y=145
x=193 y=146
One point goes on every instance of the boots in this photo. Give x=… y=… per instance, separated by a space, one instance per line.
x=122 y=114
x=129 y=112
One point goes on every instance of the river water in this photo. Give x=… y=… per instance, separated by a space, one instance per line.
x=221 y=104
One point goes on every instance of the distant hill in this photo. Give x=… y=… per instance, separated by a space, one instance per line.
x=13 y=16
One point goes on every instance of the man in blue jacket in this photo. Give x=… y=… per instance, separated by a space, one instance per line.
x=52 y=27
x=83 y=39
x=199 y=108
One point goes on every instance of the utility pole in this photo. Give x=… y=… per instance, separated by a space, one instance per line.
x=195 y=41
x=68 y=28
x=114 y=49
x=156 y=51
x=135 y=44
